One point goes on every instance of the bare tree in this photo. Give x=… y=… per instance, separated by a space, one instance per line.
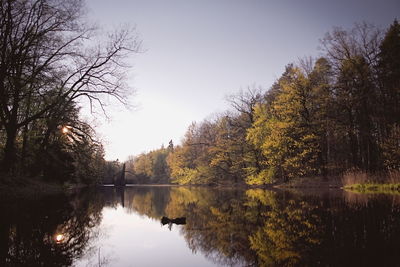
x=245 y=101
x=362 y=40
x=48 y=59
x=354 y=56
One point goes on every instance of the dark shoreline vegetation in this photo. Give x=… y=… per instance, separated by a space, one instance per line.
x=363 y=182
x=12 y=188
x=322 y=118
x=53 y=63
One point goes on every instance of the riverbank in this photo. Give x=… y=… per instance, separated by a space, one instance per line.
x=356 y=182
x=20 y=187
x=308 y=182
x=313 y=182
x=374 y=188
x=372 y=183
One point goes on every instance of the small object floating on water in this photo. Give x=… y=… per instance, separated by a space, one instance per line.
x=179 y=220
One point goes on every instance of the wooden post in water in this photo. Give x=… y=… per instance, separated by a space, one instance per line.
x=120 y=179
x=123 y=176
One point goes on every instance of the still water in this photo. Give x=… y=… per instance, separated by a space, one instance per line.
x=218 y=227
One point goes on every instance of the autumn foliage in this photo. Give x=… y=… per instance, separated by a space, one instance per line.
x=321 y=117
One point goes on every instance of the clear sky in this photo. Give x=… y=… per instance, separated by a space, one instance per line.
x=200 y=51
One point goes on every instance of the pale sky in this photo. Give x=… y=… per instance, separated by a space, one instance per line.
x=200 y=51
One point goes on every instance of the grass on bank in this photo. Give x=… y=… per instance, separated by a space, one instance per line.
x=363 y=182
x=371 y=188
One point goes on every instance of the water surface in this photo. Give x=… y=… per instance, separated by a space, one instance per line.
x=224 y=227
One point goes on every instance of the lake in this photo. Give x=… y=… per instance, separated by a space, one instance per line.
x=111 y=226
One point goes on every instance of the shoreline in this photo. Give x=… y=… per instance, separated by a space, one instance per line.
x=374 y=188
x=12 y=188
x=28 y=188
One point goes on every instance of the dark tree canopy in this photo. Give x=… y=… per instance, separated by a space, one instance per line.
x=49 y=60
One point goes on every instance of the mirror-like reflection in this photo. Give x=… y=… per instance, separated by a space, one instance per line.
x=124 y=227
x=52 y=231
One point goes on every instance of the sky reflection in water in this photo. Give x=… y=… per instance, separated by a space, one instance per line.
x=130 y=239
x=224 y=227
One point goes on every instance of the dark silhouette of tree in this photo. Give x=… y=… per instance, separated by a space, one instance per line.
x=48 y=60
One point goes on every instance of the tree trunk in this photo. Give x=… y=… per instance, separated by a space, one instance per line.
x=10 y=152
x=25 y=133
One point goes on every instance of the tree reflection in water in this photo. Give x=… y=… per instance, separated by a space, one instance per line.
x=52 y=231
x=228 y=226
x=265 y=228
x=341 y=230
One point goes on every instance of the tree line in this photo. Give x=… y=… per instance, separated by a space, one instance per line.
x=52 y=62
x=321 y=117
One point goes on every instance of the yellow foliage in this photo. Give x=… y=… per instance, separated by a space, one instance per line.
x=284 y=131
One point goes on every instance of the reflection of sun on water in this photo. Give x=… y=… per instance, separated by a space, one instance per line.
x=59 y=238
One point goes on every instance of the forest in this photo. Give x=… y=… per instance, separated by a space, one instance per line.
x=52 y=64
x=323 y=117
